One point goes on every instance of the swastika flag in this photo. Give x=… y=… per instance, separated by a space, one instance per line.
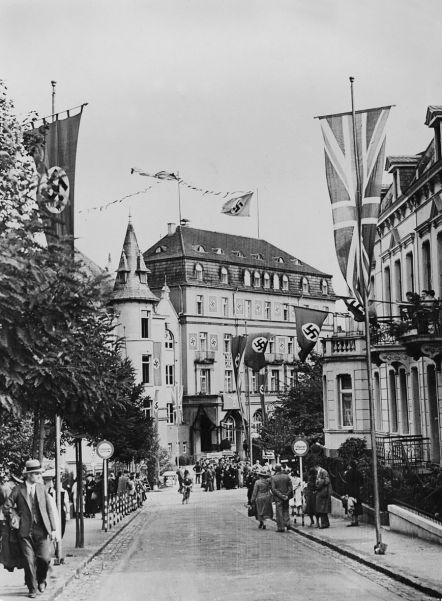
x=238 y=206
x=237 y=347
x=308 y=327
x=255 y=348
x=354 y=163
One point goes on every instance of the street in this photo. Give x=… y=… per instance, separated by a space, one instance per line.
x=210 y=550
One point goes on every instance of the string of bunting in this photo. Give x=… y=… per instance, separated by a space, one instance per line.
x=118 y=200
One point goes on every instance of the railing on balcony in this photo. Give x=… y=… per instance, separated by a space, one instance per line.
x=412 y=320
x=274 y=358
x=204 y=357
x=403 y=451
x=343 y=345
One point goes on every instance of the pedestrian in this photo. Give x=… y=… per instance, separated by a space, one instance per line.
x=298 y=487
x=10 y=554
x=111 y=484
x=47 y=478
x=252 y=477
x=90 y=505
x=353 y=480
x=209 y=476
x=197 y=468
x=323 y=496
x=282 y=490
x=31 y=503
x=262 y=498
x=219 y=471
x=187 y=487
x=123 y=479
x=310 y=497
x=179 y=474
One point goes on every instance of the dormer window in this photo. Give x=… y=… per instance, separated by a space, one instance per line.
x=218 y=251
x=122 y=277
x=160 y=249
x=257 y=279
x=143 y=277
x=276 y=281
x=257 y=256
x=278 y=259
x=169 y=339
x=198 y=248
x=296 y=261
x=247 y=278
x=305 y=286
x=199 y=272
x=238 y=253
x=324 y=287
x=266 y=280
x=224 y=274
x=285 y=283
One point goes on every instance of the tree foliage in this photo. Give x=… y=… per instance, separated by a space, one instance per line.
x=300 y=411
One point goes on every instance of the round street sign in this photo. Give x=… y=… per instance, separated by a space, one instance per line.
x=300 y=447
x=105 y=449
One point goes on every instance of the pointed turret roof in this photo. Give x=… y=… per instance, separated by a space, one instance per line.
x=131 y=281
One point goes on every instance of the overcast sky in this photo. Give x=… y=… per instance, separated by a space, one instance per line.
x=225 y=92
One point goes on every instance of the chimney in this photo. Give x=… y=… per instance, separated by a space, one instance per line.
x=171 y=228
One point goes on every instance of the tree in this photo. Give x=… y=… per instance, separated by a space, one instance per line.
x=300 y=411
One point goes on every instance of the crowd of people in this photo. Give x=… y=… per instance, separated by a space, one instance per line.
x=30 y=518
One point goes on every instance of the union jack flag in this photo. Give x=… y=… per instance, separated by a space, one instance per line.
x=355 y=211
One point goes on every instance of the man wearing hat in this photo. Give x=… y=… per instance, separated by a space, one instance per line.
x=37 y=523
x=282 y=490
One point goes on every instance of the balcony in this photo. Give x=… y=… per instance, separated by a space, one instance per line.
x=205 y=357
x=411 y=452
x=275 y=358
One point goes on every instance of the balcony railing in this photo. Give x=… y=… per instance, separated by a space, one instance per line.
x=403 y=451
x=412 y=320
x=205 y=357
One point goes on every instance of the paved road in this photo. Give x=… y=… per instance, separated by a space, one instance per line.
x=210 y=550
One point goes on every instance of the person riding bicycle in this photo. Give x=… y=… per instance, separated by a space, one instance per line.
x=186 y=486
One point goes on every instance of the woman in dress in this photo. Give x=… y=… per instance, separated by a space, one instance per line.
x=262 y=497
x=310 y=497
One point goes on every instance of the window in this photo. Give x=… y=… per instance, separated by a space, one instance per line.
x=224 y=276
x=267 y=310
x=266 y=280
x=409 y=272
x=145 y=369
x=225 y=306
x=285 y=312
x=257 y=421
x=275 y=281
x=405 y=425
x=145 y=315
x=248 y=309
x=171 y=416
x=393 y=401
x=228 y=426
x=147 y=408
x=274 y=380
x=205 y=381
x=345 y=389
x=417 y=427
x=292 y=378
x=377 y=401
x=203 y=341
x=387 y=291
x=247 y=279
x=257 y=279
x=184 y=448
x=290 y=345
x=398 y=280
x=169 y=375
x=305 y=286
x=199 y=304
x=227 y=343
x=228 y=380
x=169 y=339
x=426 y=265
x=271 y=345
x=285 y=283
x=324 y=401
x=122 y=277
x=254 y=383
x=324 y=287
x=199 y=272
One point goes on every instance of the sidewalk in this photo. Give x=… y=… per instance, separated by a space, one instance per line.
x=408 y=559
x=95 y=539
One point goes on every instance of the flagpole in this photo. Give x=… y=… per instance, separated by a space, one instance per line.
x=179 y=198
x=57 y=417
x=257 y=210
x=380 y=547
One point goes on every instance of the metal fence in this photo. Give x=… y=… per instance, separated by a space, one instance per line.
x=403 y=451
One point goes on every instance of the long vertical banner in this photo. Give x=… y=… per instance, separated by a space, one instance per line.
x=352 y=156
x=54 y=148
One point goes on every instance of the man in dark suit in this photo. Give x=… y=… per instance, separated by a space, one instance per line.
x=37 y=522
x=282 y=490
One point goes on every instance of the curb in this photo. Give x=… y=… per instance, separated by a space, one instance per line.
x=54 y=594
x=360 y=559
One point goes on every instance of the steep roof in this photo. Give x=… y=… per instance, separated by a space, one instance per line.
x=226 y=248
x=131 y=282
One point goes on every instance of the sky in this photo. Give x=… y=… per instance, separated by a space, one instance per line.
x=224 y=92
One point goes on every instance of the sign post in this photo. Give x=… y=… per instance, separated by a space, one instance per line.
x=300 y=448
x=105 y=450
